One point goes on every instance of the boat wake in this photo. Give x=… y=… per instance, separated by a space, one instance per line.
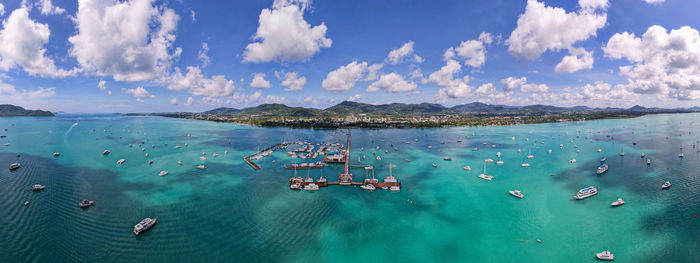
x=65 y=136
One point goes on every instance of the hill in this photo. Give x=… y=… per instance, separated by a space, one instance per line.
x=12 y=110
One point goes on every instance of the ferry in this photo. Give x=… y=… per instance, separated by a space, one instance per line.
x=14 y=166
x=586 y=192
x=144 y=225
x=601 y=169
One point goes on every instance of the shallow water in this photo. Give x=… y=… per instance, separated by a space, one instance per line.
x=229 y=212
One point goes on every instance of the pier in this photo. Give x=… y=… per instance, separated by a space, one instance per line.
x=251 y=163
x=346 y=177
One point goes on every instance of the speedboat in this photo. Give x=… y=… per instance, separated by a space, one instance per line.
x=603 y=159
x=619 y=202
x=311 y=187
x=586 y=192
x=121 y=161
x=605 y=255
x=106 y=152
x=86 y=203
x=368 y=187
x=666 y=185
x=648 y=161
x=516 y=193
x=14 y=166
x=37 y=187
x=56 y=154
x=488 y=160
x=486 y=177
x=601 y=169
x=163 y=173
x=447 y=158
x=525 y=165
x=435 y=165
x=467 y=168
x=144 y=225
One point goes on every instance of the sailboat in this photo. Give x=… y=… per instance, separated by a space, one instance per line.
x=680 y=155
x=484 y=175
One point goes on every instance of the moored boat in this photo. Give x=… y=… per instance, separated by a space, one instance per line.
x=144 y=225
x=86 y=203
x=666 y=185
x=618 y=202
x=605 y=255
x=601 y=169
x=14 y=166
x=38 y=187
x=516 y=193
x=586 y=192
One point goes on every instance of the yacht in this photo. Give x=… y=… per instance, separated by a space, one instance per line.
x=14 y=166
x=666 y=185
x=468 y=168
x=484 y=175
x=368 y=187
x=586 y=192
x=201 y=166
x=395 y=188
x=601 y=169
x=619 y=202
x=144 y=225
x=379 y=158
x=295 y=186
x=311 y=187
x=106 y=152
x=435 y=165
x=121 y=161
x=37 y=187
x=56 y=154
x=322 y=180
x=516 y=193
x=447 y=158
x=605 y=255
x=525 y=165
x=499 y=162
x=600 y=150
x=622 y=153
x=86 y=203
x=603 y=159
x=162 y=173
x=390 y=178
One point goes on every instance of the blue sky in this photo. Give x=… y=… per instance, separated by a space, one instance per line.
x=148 y=56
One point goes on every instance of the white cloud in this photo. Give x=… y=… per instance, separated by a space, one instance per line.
x=663 y=63
x=578 y=60
x=355 y=97
x=259 y=81
x=393 y=83
x=274 y=99
x=542 y=28
x=203 y=55
x=22 y=43
x=510 y=83
x=130 y=40
x=534 y=88
x=452 y=87
x=189 y=101
x=47 y=8
x=344 y=78
x=10 y=93
x=283 y=34
x=485 y=89
x=139 y=92
x=193 y=15
x=173 y=101
x=102 y=85
x=309 y=99
x=472 y=51
x=198 y=85
x=2 y=9
x=291 y=80
x=373 y=72
x=400 y=54
x=654 y=1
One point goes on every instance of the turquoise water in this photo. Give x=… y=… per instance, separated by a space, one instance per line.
x=229 y=212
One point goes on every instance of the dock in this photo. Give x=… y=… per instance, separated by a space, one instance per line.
x=346 y=177
x=251 y=163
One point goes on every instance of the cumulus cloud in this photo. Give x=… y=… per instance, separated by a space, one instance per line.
x=451 y=87
x=203 y=55
x=345 y=77
x=291 y=80
x=2 y=9
x=403 y=53
x=472 y=51
x=199 y=85
x=578 y=60
x=47 y=8
x=663 y=63
x=393 y=83
x=128 y=40
x=274 y=99
x=373 y=71
x=283 y=34
x=542 y=28
x=485 y=89
x=22 y=43
x=309 y=99
x=102 y=85
x=259 y=81
x=534 y=88
x=512 y=83
x=139 y=92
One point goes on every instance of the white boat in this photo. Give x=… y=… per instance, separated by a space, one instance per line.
x=368 y=187
x=202 y=158
x=516 y=193
x=447 y=158
x=395 y=188
x=390 y=178
x=603 y=159
x=605 y=255
x=519 y=150
x=162 y=173
x=680 y=155
x=530 y=156
x=379 y=158
x=499 y=162
x=572 y=160
x=295 y=186
x=106 y=152
x=484 y=175
x=619 y=202
x=525 y=165
x=586 y=192
x=468 y=168
x=121 y=161
x=549 y=150
x=601 y=169
x=600 y=150
x=430 y=146
x=666 y=185
x=488 y=160
x=14 y=166
x=86 y=203
x=498 y=154
x=435 y=165
x=144 y=225
x=648 y=161
x=37 y=187
x=622 y=153
x=475 y=149
x=311 y=187
x=201 y=166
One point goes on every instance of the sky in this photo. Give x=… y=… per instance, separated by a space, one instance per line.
x=103 y=56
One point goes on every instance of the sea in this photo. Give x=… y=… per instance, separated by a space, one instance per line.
x=230 y=212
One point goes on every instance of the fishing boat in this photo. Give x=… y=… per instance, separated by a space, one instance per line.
x=516 y=193
x=601 y=169
x=605 y=255
x=618 y=202
x=586 y=192
x=14 y=166
x=666 y=185
x=144 y=225
x=86 y=203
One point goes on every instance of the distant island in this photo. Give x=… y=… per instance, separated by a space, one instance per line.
x=7 y=110
x=400 y=115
